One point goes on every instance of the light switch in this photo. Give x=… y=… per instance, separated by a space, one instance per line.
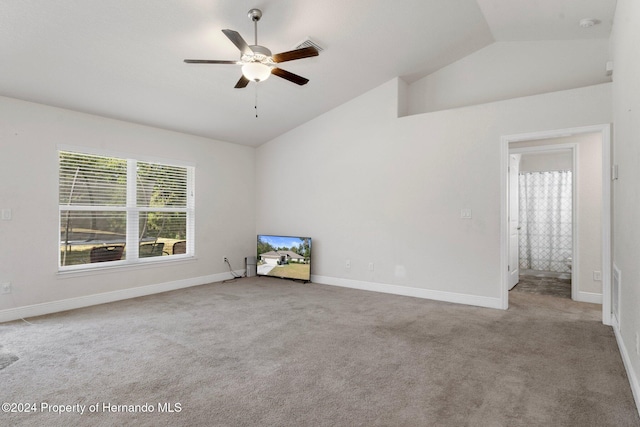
x=6 y=214
x=465 y=213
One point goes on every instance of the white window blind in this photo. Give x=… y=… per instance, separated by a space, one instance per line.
x=123 y=210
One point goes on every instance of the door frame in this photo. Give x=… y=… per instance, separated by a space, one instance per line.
x=573 y=147
x=605 y=133
x=510 y=205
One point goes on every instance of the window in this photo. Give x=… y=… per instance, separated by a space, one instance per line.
x=123 y=211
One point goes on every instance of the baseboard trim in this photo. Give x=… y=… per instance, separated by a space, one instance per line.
x=106 y=297
x=590 y=297
x=408 y=291
x=631 y=374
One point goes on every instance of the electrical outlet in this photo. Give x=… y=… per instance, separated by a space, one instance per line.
x=597 y=276
x=370 y=266
x=225 y=259
x=5 y=287
x=347 y=264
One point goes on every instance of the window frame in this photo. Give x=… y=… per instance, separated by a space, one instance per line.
x=131 y=210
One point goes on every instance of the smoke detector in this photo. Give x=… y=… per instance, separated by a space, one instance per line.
x=588 y=22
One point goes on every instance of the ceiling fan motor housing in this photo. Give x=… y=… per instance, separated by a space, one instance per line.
x=258 y=53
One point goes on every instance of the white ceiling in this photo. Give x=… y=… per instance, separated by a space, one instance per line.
x=523 y=20
x=124 y=58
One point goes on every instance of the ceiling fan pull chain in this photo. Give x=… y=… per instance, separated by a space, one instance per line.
x=255 y=105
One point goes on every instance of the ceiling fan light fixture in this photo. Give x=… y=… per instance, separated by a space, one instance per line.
x=256 y=71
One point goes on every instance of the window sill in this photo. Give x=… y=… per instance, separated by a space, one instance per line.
x=123 y=266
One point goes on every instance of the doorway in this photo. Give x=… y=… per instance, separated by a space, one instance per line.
x=543 y=138
x=542 y=218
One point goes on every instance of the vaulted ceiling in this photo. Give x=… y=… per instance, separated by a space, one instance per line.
x=124 y=58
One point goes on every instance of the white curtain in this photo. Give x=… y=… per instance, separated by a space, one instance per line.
x=545 y=221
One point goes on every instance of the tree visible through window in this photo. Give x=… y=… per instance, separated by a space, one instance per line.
x=114 y=209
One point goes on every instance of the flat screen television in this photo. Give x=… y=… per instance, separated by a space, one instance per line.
x=286 y=257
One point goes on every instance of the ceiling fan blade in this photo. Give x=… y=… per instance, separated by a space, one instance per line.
x=243 y=82
x=289 y=76
x=304 y=52
x=209 y=61
x=237 y=39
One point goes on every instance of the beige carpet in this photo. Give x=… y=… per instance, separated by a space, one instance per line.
x=269 y=352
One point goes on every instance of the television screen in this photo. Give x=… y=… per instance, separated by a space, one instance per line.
x=286 y=257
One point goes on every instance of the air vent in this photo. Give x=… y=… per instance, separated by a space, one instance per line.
x=308 y=42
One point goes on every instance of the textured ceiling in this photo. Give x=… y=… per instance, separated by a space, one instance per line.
x=124 y=58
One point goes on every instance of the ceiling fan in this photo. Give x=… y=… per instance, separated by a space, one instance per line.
x=257 y=61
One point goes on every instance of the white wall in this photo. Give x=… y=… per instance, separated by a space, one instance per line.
x=626 y=194
x=506 y=70
x=29 y=137
x=388 y=191
x=544 y=162
x=588 y=207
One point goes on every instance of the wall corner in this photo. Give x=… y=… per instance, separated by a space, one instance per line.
x=403 y=97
